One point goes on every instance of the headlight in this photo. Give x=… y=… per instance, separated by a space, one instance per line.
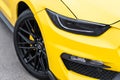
x=77 y=26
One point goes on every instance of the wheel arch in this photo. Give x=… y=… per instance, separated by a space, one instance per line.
x=23 y=5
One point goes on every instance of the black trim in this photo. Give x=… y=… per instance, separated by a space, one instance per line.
x=52 y=76
x=67 y=57
x=88 y=70
x=77 y=26
x=7 y=23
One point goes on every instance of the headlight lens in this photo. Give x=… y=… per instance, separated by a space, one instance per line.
x=77 y=26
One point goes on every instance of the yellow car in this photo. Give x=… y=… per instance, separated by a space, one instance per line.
x=66 y=39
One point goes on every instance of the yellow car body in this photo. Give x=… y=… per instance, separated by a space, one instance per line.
x=104 y=48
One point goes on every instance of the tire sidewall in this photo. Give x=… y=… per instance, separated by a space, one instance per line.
x=25 y=15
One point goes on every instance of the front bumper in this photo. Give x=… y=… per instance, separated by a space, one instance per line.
x=105 y=48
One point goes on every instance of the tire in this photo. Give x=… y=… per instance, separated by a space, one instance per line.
x=29 y=46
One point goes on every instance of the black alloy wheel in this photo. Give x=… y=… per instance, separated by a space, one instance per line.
x=30 y=46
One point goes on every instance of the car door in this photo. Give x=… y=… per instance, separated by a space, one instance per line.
x=5 y=8
x=8 y=8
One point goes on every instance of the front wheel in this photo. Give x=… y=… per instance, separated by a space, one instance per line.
x=30 y=47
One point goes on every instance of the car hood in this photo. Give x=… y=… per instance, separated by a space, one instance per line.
x=102 y=11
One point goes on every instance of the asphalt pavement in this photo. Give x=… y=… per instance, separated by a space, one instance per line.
x=10 y=67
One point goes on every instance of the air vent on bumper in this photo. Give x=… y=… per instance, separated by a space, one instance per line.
x=86 y=69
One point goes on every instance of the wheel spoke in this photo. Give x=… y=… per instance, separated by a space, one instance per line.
x=29 y=26
x=38 y=67
x=42 y=63
x=25 y=31
x=31 y=44
x=20 y=43
x=36 y=62
x=29 y=33
x=44 y=53
x=27 y=47
x=25 y=38
x=36 y=30
x=32 y=58
x=26 y=55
